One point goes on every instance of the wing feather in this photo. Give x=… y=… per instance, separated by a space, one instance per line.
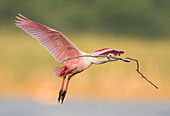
x=54 y=41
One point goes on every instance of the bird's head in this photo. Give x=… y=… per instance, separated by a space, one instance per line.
x=108 y=52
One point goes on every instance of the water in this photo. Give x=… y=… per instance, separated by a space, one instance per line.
x=31 y=108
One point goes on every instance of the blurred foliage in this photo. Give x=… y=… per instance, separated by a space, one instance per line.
x=25 y=66
x=127 y=17
x=26 y=69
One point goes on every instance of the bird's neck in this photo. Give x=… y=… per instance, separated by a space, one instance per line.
x=94 y=60
x=100 y=61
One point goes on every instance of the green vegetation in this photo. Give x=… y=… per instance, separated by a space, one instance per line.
x=140 y=27
x=122 y=17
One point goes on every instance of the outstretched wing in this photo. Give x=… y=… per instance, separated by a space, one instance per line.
x=54 y=41
x=106 y=51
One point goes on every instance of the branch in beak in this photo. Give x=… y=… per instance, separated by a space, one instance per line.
x=119 y=58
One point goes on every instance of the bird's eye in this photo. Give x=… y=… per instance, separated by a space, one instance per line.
x=110 y=55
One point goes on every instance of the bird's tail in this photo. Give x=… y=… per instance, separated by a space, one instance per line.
x=60 y=71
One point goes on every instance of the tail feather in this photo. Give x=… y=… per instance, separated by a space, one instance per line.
x=60 y=71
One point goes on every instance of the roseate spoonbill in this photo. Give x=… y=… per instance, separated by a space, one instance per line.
x=62 y=49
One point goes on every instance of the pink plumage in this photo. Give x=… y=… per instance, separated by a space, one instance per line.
x=106 y=51
x=54 y=41
x=61 y=49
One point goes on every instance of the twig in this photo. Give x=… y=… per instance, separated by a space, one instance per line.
x=117 y=58
x=140 y=72
x=103 y=56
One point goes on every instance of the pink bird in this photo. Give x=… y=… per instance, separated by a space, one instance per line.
x=62 y=49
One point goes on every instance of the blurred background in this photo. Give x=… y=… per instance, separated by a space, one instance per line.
x=141 y=28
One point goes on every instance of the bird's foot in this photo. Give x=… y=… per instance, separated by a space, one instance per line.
x=61 y=96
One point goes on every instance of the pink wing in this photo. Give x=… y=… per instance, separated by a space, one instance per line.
x=106 y=51
x=54 y=41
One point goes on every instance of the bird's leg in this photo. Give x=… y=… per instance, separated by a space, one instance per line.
x=65 y=91
x=61 y=90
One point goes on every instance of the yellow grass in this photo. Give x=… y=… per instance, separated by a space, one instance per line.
x=26 y=69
